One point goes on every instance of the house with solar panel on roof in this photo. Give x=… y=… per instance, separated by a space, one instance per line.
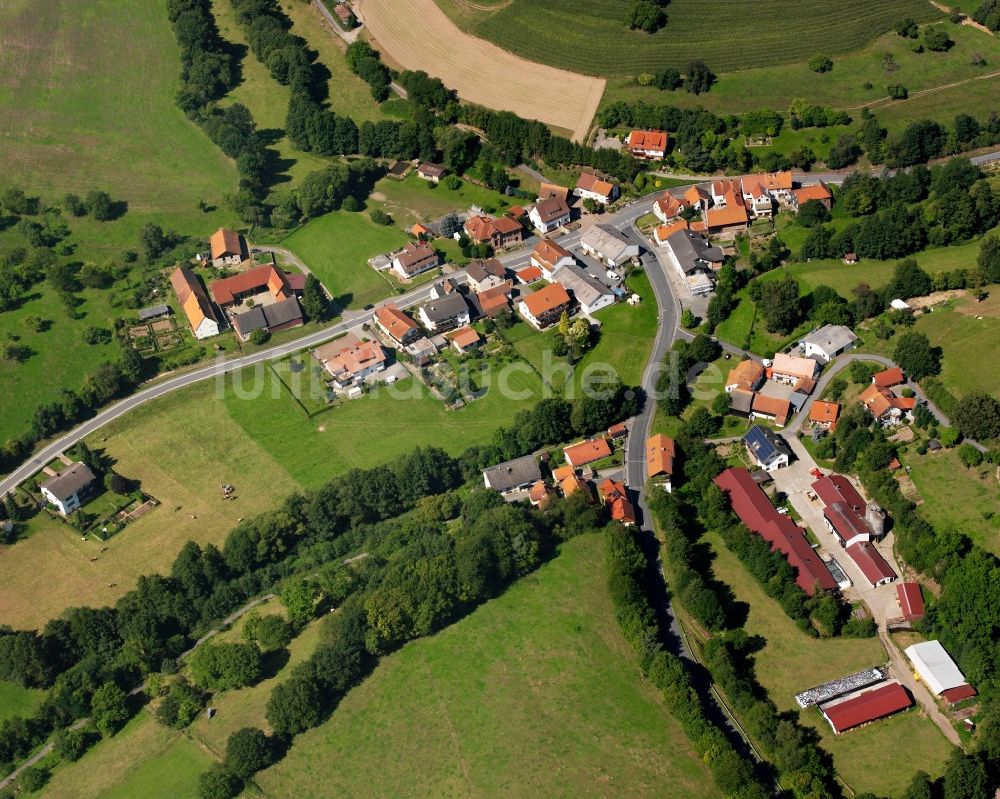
x=766 y=448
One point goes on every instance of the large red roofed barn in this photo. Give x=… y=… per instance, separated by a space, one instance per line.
x=751 y=504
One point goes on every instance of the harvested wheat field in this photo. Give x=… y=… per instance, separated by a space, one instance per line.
x=416 y=34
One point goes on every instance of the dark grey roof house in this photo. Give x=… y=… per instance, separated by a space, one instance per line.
x=515 y=475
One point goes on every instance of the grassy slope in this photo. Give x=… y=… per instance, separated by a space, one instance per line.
x=965 y=341
x=535 y=693
x=143 y=759
x=80 y=113
x=182 y=447
x=414 y=200
x=843 y=86
x=597 y=42
x=958 y=498
x=792 y=661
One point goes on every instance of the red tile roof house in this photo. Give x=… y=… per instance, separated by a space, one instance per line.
x=550 y=257
x=397 y=325
x=886 y=407
x=847 y=712
x=667 y=207
x=660 y=453
x=647 y=144
x=545 y=306
x=772 y=409
x=414 y=259
x=591 y=187
x=350 y=361
x=464 y=340
x=889 y=378
x=824 y=414
x=585 y=452
x=754 y=509
x=228 y=248
x=615 y=499
x=500 y=232
x=815 y=191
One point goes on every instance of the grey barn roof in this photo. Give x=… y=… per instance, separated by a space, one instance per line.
x=831 y=338
x=153 y=311
x=608 y=241
x=446 y=307
x=586 y=290
x=511 y=474
x=693 y=252
x=765 y=444
x=69 y=481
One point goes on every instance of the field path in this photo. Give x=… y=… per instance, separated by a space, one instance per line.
x=416 y=34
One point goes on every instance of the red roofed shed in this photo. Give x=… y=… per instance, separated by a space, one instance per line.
x=871 y=563
x=870 y=705
x=911 y=602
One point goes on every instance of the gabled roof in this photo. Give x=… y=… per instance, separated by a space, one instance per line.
x=478 y=271
x=560 y=473
x=191 y=297
x=225 y=242
x=669 y=205
x=660 y=453
x=551 y=209
x=793 y=365
x=935 y=666
x=262 y=277
x=529 y=274
x=697 y=194
x=746 y=375
x=69 y=481
x=394 y=321
x=765 y=444
x=664 y=232
x=888 y=378
x=572 y=484
x=548 y=252
x=546 y=190
x=730 y=214
x=540 y=493
x=647 y=140
x=608 y=241
x=824 y=412
x=354 y=359
x=585 y=452
x=415 y=253
x=511 y=474
x=814 y=191
x=869 y=705
x=831 y=338
x=586 y=289
x=546 y=299
x=432 y=170
x=871 y=562
x=911 y=601
x=775 y=407
x=447 y=307
x=759 y=515
x=954 y=695
x=592 y=183
x=464 y=337
x=741 y=401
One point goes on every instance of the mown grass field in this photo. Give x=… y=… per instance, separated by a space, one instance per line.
x=370 y=430
x=966 y=342
x=957 y=497
x=534 y=694
x=596 y=41
x=182 y=448
x=623 y=343
x=791 y=661
x=18 y=701
x=80 y=113
x=415 y=200
x=337 y=246
x=143 y=759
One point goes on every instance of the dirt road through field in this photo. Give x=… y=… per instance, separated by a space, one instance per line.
x=417 y=35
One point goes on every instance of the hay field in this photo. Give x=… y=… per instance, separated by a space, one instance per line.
x=416 y=34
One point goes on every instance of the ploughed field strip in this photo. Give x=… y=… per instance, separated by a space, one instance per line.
x=416 y=34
